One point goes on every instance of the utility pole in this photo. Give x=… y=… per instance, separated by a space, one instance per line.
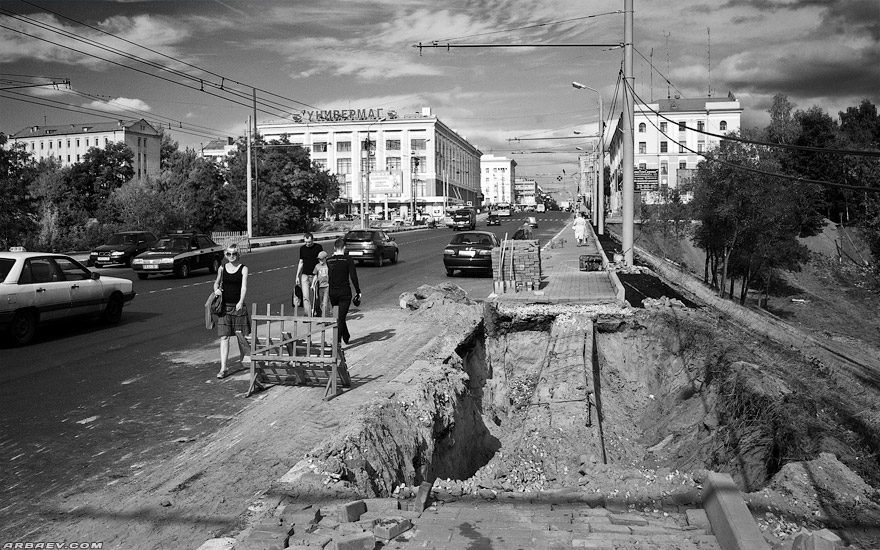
x=628 y=153
x=415 y=171
x=600 y=219
x=256 y=168
x=365 y=196
x=250 y=204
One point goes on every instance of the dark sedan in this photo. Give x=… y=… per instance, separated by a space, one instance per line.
x=471 y=251
x=122 y=248
x=179 y=253
x=372 y=245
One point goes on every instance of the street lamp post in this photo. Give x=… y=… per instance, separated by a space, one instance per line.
x=365 y=194
x=599 y=203
x=415 y=171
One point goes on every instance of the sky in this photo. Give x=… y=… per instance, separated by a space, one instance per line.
x=191 y=66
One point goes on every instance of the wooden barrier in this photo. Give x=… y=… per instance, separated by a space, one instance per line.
x=295 y=349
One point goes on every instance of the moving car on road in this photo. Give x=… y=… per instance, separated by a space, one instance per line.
x=122 y=248
x=471 y=251
x=464 y=218
x=179 y=253
x=493 y=219
x=37 y=287
x=372 y=245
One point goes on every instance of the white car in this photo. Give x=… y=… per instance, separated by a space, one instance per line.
x=40 y=287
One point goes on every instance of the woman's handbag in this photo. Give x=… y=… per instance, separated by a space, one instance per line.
x=217 y=305
x=296 y=297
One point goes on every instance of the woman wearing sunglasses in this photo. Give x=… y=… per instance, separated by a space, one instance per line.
x=231 y=283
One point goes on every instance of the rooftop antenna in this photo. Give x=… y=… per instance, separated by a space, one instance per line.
x=668 y=91
x=709 y=57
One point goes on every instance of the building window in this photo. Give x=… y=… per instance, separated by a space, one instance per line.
x=106 y=141
x=723 y=125
x=701 y=125
x=139 y=142
x=145 y=142
x=392 y=144
x=392 y=163
x=418 y=144
x=643 y=147
x=369 y=144
x=663 y=126
x=343 y=166
x=643 y=166
x=419 y=164
x=682 y=165
x=343 y=147
x=681 y=148
x=77 y=158
x=50 y=145
x=664 y=168
x=319 y=147
x=664 y=146
x=77 y=142
x=321 y=164
x=68 y=158
x=68 y=144
x=701 y=146
x=59 y=144
x=372 y=164
x=642 y=127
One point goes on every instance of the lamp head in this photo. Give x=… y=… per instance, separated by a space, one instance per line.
x=577 y=86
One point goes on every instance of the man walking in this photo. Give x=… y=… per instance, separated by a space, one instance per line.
x=305 y=269
x=341 y=270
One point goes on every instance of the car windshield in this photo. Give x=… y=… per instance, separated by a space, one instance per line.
x=122 y=239
x=471 y=238
x=359 y=236
x=462 y=214
x=172 y=244
x=5 y=267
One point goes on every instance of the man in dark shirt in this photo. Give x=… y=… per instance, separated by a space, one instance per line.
x=340 y=269
x=305 y=269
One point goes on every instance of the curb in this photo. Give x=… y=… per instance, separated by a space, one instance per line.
x=731 y=520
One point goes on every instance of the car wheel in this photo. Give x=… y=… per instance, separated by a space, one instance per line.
x=379 y=259
x=142 y=276
x=449 y=272
x=215 y=265
x=23 y=327
x=394 y=258
x=113 y=312
x=183 y=270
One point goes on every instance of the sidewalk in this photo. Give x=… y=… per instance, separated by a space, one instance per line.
x=562 y=281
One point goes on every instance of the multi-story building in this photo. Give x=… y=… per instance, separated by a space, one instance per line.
x=408 y=158
x=525 y=191
x=497 y=179
x=68 y=143
x=668 y=142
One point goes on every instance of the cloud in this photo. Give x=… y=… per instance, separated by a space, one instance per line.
x=118 y=105
x=45 y=38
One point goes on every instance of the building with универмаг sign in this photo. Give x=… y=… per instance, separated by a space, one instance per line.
x=409 y=157
x=669 y=136
x=68 y=143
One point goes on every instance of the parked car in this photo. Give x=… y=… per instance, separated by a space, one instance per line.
x=493 y=219
x=122 y=248
x=471 y=251
x=372 y=245
x=37 y=288
x=179 y=253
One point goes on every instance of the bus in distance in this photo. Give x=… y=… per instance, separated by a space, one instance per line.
x=502 y=209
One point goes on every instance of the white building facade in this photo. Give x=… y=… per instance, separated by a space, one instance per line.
x=410 y=159
x=497 y=180
x=68 y=143
x=667 y=141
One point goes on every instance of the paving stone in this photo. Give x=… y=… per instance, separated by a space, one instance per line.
x=352 y=511
x=390 y=528
x=627 y=519
x=360 y=541
x=319 y=540
x=609 y=528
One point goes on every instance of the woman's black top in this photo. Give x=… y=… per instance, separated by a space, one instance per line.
x=340 y=268
x=231 y=283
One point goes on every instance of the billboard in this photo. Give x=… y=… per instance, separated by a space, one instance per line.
x=386 y=182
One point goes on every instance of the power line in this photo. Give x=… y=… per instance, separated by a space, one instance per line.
x=750 y=169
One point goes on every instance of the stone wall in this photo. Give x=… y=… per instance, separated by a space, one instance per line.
x=521 y=269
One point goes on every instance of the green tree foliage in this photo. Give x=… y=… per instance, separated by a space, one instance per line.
x=18 y=206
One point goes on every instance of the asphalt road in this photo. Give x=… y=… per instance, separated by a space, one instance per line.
x=87 y=403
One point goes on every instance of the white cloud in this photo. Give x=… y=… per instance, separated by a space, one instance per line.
x=118 y=105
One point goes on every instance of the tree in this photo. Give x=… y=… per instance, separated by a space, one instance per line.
x=749 y=219
x=18 y=206
x=101 y=171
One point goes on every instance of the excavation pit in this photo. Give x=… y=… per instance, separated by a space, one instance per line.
x=605 y=405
